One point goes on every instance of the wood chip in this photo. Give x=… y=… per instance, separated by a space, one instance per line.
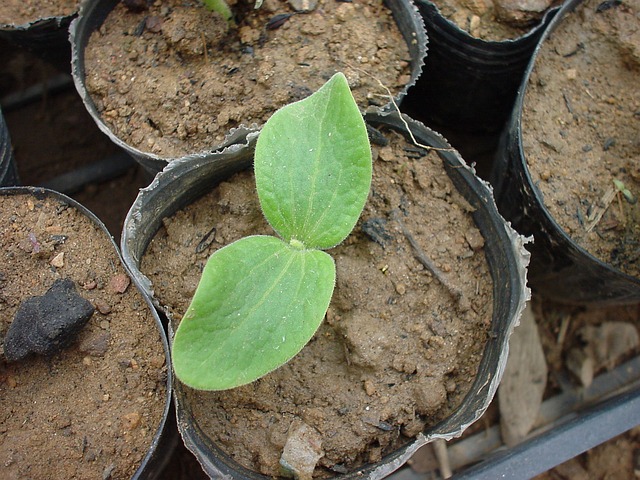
x=600 y=207
x=609 y=342
x=581 y=365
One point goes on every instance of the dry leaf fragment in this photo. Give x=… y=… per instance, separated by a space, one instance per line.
x=524 y=381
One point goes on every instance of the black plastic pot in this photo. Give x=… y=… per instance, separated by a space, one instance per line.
x=93 y=14
x=182 y=182
x=48 y=38
x=469 y=84
x=165 y=438
x=8 y=171
x=560 y=269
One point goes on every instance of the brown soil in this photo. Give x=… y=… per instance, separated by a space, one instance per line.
x=162 y=92
x=20 y=12
x=68 y=139
x=92 y=410
x=395 y=353
x=495 y=20
x=580 y=129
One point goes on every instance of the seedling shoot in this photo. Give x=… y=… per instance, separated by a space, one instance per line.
x=261 y=298
x=221 y=7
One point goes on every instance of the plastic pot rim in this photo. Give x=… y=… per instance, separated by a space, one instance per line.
x=82 y=26
x=476 y=42
x=515 y=124
x=57 y=20
x=495 y=351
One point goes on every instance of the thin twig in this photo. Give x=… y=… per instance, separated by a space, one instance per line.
x=440 y=449
x=389 y=95
x=204 y=45
x=564 y=327
x=424 y=259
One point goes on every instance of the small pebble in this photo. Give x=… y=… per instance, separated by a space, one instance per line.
x=474 y=25
x=369 y=387
x=474 y=239
x=95 y=344
x=157 y=361
x=303 y=5
x=302 y=451
x=58 y=260
x=102 y=306
x=566 y=48
x=608 y=143
x=450 y=386
x=119 y=283
x=571 y=73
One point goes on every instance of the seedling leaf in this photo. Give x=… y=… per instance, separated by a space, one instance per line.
x=261 y=299
x=258 y=303
x=313 y=167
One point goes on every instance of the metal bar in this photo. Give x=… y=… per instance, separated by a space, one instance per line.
x=97 y=172
x=583 y=431
x=16 y=100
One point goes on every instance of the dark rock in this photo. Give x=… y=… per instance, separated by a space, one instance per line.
x=45 y=325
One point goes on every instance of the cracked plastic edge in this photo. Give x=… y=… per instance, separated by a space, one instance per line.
x=152 y=204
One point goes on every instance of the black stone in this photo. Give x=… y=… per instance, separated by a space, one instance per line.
x=47 y=324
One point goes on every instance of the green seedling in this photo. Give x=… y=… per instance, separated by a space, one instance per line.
x=223 y=8
x=261 y=298
x=625 y=191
